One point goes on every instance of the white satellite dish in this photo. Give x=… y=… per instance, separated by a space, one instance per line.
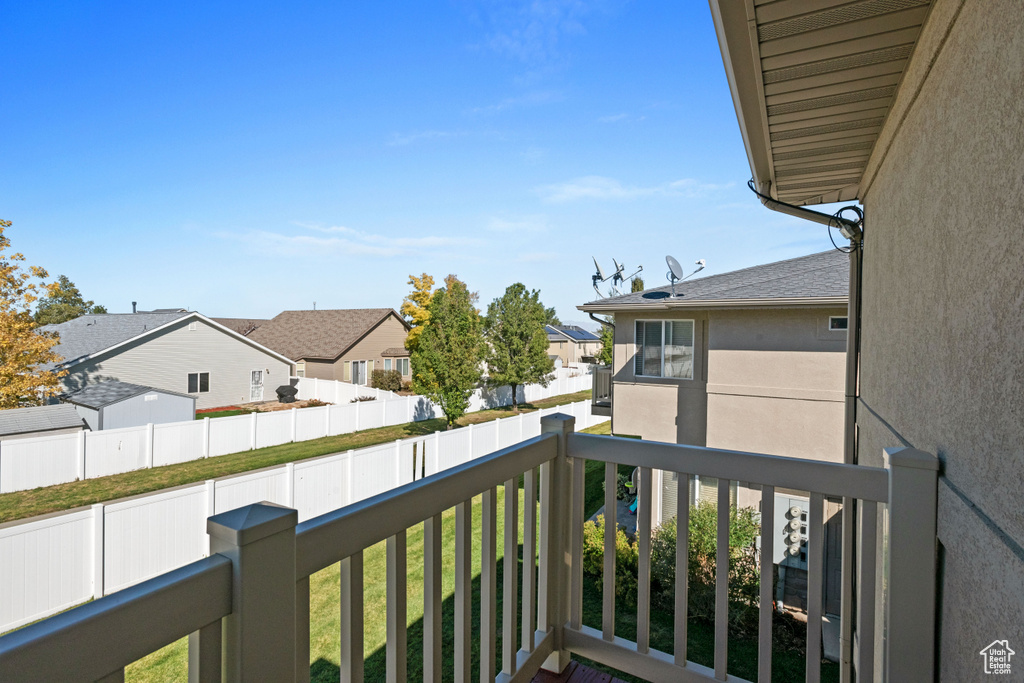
x=600 y=273
x=675 y=271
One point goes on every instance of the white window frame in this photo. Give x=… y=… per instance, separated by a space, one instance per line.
x=199 y=382
x=838 y=317
x=300 y=368
x=387 y=364
x=400 y=362
x=636 y=346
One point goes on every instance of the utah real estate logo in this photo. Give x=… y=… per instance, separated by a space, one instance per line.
x=997 y=657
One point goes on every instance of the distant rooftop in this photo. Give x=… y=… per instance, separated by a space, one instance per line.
x=575 y=333
x=322 y=334
x=818 y=276
x=38 y=419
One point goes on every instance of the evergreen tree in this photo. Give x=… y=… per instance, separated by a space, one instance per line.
x=551 y=317
x=446 y=359
x=604 y=356
x=64 y=302
x=638 y=284
x=517 y=345
x=22 y=348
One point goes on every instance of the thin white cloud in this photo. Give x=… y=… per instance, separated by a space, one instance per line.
x=531 y=99
x=613 y=118
x=341 y=239
x=602 y=188
x=534 y=31
x=524 y=224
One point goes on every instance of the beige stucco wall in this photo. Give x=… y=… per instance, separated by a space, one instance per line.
x=164 y=360
x=764 y=380
x=943 y=322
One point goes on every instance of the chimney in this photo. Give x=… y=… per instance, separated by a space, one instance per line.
x=133 y=305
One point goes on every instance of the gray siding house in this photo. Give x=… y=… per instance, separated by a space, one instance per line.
x=113 y=404
x=183 y=353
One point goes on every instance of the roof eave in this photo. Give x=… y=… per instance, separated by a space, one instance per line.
x=669 y=304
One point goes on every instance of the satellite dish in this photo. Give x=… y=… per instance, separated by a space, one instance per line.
x=675 y=271
x=600 y=273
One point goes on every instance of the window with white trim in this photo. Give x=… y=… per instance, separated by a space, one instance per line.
x=402 y=365
x=664 y=348
x=838 y=323
x=198 y=382
x=300 y=368
x=387 y=363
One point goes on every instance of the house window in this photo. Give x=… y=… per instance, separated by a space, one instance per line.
x=664 y=348
x=198 y=382
x=387 y=363
x=838 y=323
x=402 y=365
x=300 y=369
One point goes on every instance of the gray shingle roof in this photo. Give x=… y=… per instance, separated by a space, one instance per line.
x=104 y=393
x=323 y=334
x=90 y=334
x=38 y=419
x=821 y=275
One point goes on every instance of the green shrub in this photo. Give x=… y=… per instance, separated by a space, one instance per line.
x=744 y=581
x=622 y=492
x=386 y=380
x=626 y=558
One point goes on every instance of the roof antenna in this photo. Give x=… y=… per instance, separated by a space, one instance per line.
x=133 y=305
x=675 y=271
x=314 y=305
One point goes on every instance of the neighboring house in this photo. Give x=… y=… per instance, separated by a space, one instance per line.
x=572 y=344
x=342 y=344
x=749 y=360
x=26 y=423
x=113 y=404
x=183 y=353
x=916 y=110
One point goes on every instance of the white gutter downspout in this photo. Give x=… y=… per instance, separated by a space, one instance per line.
x=853 y=231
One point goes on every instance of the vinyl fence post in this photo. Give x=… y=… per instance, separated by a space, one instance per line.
x=81 y=455
x=293 y=425
x=149 y=445
x=206 y=437
x=469 y=430
x=211 y=510
x=252 y=433
x=497 y=434
x=910 y=610
x=316 y=388
x=409 y=412
x=289 y=484
x=398 y=462
x=437 y=454
x=327 y=420
x=97 y=550
x=259 y=634
x=357 y=416
x=350 y=467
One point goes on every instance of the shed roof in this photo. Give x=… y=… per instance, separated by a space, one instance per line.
x=322 y=335
x=38 y=419
x=105 y=393
x=816 y=278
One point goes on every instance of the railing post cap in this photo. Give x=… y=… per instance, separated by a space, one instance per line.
x=558 y=422
x=251 y=523
x=910 y=457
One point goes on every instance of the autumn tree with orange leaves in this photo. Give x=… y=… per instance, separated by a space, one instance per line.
x=23 y=349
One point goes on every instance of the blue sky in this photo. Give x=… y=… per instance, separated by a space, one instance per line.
x=246 y=158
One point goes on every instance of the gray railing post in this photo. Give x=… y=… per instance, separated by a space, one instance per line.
x=911 y=547
x=557 y=501
x=259 y=634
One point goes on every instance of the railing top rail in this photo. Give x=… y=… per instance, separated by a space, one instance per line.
x=829 y=478
x=103 y=636
x=324 y=540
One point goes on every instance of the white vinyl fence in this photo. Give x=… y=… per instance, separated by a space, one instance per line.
x=48 y=460
x=53 y=562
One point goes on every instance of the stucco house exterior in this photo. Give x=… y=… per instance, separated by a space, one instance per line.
x=572 y=343
x=916 y=111
x=180 y=352
x=346 y=345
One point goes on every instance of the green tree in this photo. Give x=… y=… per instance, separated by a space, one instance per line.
x=517 y=345
x=637 y=284
x=607 y=334
x=23 y=349
x=446 y=360
x=551 y=318
x=415 y=307
x=64 y=302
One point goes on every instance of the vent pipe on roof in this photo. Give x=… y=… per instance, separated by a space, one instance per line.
x=134 y=303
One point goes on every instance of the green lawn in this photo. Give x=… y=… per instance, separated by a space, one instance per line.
x=224 y=413
x=22 y=504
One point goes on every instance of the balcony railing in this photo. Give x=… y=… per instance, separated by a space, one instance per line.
x=601 y=392
x=246 y=608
